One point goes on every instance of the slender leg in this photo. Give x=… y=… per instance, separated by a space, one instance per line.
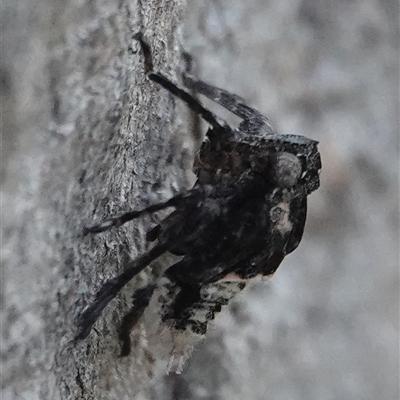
x=112 y=287
x=131 y=215
x=195 y=122
x=232 y=102
x=195 y=194
x=141 y=299
x=192 y=102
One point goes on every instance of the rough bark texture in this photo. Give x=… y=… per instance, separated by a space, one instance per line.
x=85 y=135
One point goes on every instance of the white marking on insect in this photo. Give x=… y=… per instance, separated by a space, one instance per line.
x=280 y=216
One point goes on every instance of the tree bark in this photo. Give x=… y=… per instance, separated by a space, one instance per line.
x=85 y=136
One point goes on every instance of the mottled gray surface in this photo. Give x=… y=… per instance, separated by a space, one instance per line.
x=84 y=135
x=327 y=326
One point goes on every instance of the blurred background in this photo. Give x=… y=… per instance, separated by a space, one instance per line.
x=327 y=325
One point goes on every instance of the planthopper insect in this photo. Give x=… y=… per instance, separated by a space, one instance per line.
x=245 y=213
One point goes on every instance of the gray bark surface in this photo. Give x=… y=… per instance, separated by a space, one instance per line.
x=86 y=136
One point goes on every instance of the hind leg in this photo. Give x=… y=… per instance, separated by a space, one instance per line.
x=141 y=299
x=112 y=287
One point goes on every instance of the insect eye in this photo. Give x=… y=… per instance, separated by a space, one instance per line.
x=285 y=169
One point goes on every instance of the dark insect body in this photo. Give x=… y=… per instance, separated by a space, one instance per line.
x=245 y=213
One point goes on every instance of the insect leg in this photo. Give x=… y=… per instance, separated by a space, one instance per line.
x=112 y=287
x=185 y=197
x=191 y=101
x=141 y=299
x=131 y=215
x=232 y=102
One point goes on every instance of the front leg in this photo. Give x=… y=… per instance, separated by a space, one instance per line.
x=192 y=102
x=253 y=119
